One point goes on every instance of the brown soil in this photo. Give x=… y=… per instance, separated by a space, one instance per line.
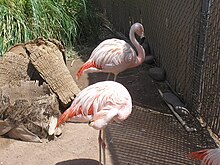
x=78 y=143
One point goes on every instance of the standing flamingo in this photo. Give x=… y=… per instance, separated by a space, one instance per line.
x=207 y=156
x=114 y=55
x=100 y=104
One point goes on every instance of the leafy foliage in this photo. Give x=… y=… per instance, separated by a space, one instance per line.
x=69 y=21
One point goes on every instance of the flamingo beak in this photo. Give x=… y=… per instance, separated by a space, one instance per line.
x=142 y=39
x=52 y=125
x=90 y=123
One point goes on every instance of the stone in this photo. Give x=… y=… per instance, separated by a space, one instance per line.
x=149 y=59
x=157 y=74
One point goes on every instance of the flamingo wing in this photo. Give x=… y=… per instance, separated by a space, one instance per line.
x=82 y=108
x=101 y=96
x=111 y=55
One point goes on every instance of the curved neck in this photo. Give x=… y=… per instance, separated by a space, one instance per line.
x=140 y=50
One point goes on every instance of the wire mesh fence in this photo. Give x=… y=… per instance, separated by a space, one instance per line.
x=210 y=88
x=149 y=138
x=184 y=38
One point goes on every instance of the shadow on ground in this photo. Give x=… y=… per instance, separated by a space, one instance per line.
x=78 y=162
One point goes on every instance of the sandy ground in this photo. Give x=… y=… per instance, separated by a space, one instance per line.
x=77 y=145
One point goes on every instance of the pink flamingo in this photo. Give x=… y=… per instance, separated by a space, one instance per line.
x=207 y=156
x=100 y=104
x=114 y=55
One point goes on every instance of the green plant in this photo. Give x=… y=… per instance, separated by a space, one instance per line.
x=66 y=20
x=13 y=26
x=88 y=22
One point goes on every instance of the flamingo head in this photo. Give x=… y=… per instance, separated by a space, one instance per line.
x=139 y=29
x=102 y=118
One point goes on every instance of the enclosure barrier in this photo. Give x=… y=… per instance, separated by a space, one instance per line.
x=184 y=37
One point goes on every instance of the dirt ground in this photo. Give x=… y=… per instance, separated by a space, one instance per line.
x=78 y=143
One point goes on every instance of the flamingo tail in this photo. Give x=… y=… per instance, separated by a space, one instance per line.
x=199 y=155
x=69 y=113
x=87 y=65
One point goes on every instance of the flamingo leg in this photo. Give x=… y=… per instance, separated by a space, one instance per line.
x=115 y=76
x=100 y=150
x=108 y=76
x=104 y=146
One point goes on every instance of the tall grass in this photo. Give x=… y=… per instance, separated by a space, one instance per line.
x=69 y=21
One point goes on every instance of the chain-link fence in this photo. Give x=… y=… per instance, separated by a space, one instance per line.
x=209 y=87
x=184 y=38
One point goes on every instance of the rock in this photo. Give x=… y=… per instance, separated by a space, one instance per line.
x=42 y=60
x=22 y=133
x=14 y=66
x=28 y=111
x=157 y=74
x=5 y=127
x=173 y=100
x=149 y=59
x=49 y=61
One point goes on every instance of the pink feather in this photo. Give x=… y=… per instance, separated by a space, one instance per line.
x=102 y=103
x=114 y=55
x=207 y=156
